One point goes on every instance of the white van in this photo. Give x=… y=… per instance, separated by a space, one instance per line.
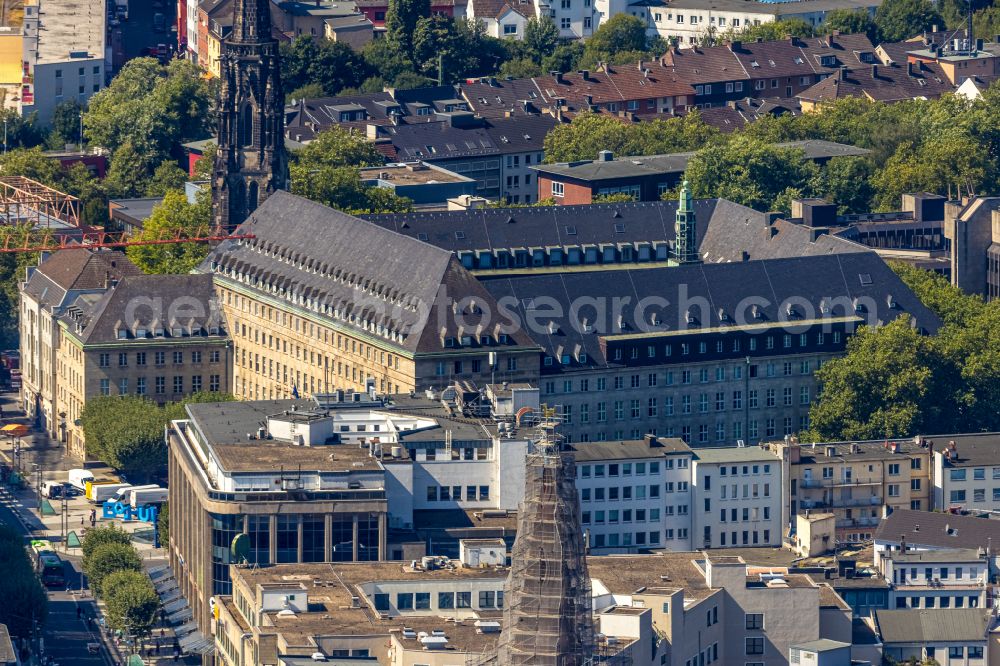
x=78 y=478
x=53 y=489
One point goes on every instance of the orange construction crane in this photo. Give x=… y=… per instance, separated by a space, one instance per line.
x=91 y=240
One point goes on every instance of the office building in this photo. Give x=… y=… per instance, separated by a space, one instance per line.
x=48 y=289
x=156 y=336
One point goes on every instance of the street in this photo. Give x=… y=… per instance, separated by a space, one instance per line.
x=65 y=635
x=137 y=32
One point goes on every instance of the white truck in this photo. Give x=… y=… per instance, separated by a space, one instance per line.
x=78 y=478
x=143 y=496
x=123 y=494
x=98 y=493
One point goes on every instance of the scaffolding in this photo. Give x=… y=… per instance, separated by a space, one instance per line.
x=26 y=201
x=548 y=611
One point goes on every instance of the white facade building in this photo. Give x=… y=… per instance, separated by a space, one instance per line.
x=635 y=495
x=65 y=54
x=952 y=578
x=736 y=498
x=690 y=21
x=966 y=472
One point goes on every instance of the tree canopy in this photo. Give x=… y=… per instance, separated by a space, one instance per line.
x=107 y=559
x=326 y=171
x=21 y=591
x=901 y=19
x=894 y=382
x=174 y=217
x=126 y=431
x=131 y=602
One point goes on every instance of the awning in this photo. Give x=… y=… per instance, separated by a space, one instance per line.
x=14 y=430
x=196 y=643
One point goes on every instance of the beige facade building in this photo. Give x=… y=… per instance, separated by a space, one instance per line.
x=156 y=336
x=858 y=482
x=48 y=290
x=308 y=315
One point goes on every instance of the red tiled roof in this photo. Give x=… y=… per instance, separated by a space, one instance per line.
x=884 y=83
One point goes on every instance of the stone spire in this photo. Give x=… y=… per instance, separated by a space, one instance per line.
x=250 y=162
x=686 y=241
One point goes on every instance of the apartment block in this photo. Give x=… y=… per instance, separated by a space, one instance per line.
x=736 y=497
x=950 y=578
x=64 y=54
x=949 y=637
x=858 y=482
x=966 y=471
x=635 y=495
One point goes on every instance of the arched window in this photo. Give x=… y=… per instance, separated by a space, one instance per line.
x=246 y=126
x=252 y=195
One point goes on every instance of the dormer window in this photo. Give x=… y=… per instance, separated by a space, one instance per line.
x=140 y=332
x=177 y=332
x=122 y=334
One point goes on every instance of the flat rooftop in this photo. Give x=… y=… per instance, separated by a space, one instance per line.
x=412 y=174
x=734 y=454
x=630 y=449
x=331 y=586
x=69 y=27
x=626 y=574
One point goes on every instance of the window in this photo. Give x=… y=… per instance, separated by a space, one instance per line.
x=564 y=23
x=975 y=652
x=105 y=387
x=105 y=360
x=404 y=601
x=178 y=384
x=755 y=645
x=957 y=496
x=558 y=189
x=956 y=652
x=510 y=29
x=754 y=621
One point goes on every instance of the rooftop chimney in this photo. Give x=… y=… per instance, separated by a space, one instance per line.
x=585 y=73
x=605 y=156
x=874 y=71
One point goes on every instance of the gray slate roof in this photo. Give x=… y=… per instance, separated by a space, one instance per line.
x=147 y=302
x=67 y=273
x=628 y=450
x=955 y=625
x=723 y=286
x=345 y=264
x=938 y=530
x=724 y=230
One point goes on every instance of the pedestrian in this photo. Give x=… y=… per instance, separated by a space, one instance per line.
x=81 y=521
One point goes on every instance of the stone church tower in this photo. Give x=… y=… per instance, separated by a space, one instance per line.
x=250 y=162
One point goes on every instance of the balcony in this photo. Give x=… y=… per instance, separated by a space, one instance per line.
x=844 y=503
x=843 y=523
x=831 y=482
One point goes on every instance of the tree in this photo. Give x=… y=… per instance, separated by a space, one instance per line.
x=622 y=32
x=901 y=19
x=206 y=163
x=163 y=523
x=66 y=121
x=521 y=68
x=322 y=66
x=565 y=58
x=21 y=131
x=174 y=217
x=23 y=597
x=887 y=385
x=98 y=536
x=131 y=602
x=147 y=110
x=849 y=22
x=127 y=433
x=337 y=147
x=749 y=172
x=401 y=22
x=168 y=176
x=388 y=60
x=31 y=163
x=590 y=133
x=770 y=31
x=106 y=560
x=541 y=37
x=847 y=183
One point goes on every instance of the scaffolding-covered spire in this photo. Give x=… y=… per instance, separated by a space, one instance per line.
x=548 y=617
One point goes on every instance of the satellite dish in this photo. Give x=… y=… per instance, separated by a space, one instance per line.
x=240 y=549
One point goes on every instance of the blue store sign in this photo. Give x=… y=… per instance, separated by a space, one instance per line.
x=146 y=513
